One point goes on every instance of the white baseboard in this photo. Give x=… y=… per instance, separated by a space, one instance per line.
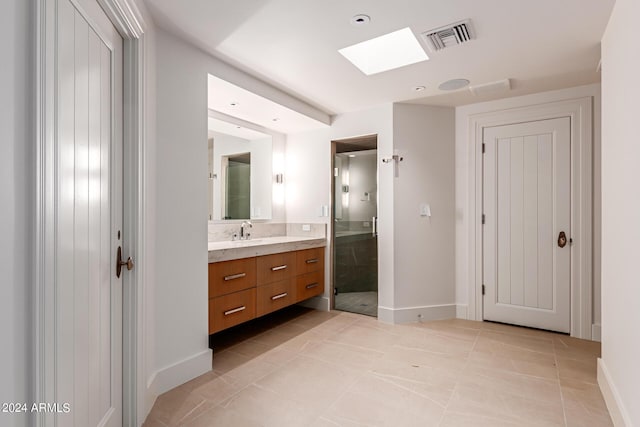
x=410 y=314
x=596 y=332
x=179 y=373
x=617 y=411
x=321 y=303
x=462 y=311
x=150 y=396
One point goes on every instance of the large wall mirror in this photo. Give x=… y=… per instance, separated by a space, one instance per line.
x=240 y=172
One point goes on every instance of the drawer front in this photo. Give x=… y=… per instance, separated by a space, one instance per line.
x=275 y=296
x=232 y=309
x=309 y=285
x=276 y=267
x=309 y=260
x=231 y=276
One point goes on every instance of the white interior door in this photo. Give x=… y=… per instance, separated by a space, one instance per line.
x=527 y=207
x=88 y=215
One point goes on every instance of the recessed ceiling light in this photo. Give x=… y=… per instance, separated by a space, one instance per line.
x=233 y=104
x=418 y=88
x=275 y=119
x=359 y=20
x=352 y=155
x=238 y=127
x=453 y=84
x=387 y=52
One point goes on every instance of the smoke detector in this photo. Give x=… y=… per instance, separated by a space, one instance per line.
x=449 y=35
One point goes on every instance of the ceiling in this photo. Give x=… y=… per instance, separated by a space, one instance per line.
x=227 y=128
x=293 y=45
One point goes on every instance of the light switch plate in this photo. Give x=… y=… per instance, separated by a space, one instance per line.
x=425 y=210
x=306 y=227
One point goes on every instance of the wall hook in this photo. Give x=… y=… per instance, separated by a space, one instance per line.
x=396 y=159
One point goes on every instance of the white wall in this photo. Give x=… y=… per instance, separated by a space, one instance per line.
x=181 y=223
x=464 y=189
x=308 y=183
x=17 y=173
x=181 y=308
x=424 y=247
x=619 y=375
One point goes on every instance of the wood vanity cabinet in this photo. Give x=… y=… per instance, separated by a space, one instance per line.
x=310 y=269
x=243 y=289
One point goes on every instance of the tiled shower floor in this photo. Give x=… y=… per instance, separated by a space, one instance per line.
x=358 y=302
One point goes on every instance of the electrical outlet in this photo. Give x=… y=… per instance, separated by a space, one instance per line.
x=306 y=227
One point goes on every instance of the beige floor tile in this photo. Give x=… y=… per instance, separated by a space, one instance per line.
x=152 y=422
x=344 y=355
x=251 y=348
x=368 y=338
x=176 y=407
x=421 y=358
x=540 y=344
x=311 y=382
x=581 y=370
x=453 y=419
x=376 y=402
x=504 y=382
x=217 y=390
x=522 y=362
x=437 y=342
x=257 y=406
x=584 y=404
x=227 y=360
x=434 y=384
x=342 y=369
x=504 y=404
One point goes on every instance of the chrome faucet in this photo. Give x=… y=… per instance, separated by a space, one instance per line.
x=244 y=235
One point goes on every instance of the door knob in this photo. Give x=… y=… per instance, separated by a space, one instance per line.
x=120 y=263
x=562 y=239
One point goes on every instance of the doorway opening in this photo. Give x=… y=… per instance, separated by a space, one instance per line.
x=354 y=246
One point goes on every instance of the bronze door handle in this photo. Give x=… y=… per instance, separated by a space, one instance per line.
x=562 y=239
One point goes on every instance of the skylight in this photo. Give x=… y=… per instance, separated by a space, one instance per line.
x=387 y=52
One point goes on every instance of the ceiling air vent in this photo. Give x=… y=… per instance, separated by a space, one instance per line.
x=450 y=35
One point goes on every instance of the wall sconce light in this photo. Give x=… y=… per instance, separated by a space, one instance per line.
x=279 y=178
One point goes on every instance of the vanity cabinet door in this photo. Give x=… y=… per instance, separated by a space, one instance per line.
x=231 y=276
x=275 y=296
x=276 y=267
x=230 y=310
x=308 y=260
x=309 y=285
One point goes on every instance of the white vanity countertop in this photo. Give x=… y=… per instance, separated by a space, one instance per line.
x=228 y=250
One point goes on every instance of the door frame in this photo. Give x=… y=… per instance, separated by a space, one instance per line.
x=128 y=21
x=580 y=111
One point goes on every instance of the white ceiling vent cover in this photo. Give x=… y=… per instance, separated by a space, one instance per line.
x=449 y=35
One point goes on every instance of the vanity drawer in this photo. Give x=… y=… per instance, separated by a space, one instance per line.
x=232 y=309
x=231 y=276
x=309 y=260
x=276 y=267
x=275 y=296
x=309 y=285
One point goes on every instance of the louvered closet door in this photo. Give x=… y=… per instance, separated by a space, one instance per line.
x=527 y=207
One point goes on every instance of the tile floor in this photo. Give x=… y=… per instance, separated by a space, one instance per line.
x=309 y=368
x=358 y=302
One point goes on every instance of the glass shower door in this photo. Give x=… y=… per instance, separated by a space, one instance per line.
x=355 y=254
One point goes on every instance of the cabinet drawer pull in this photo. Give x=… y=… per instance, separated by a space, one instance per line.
x=312 y=261
x=280 y=267
x=312 y=285
x=282 y=295
x=234 y=276
x=235 y=310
